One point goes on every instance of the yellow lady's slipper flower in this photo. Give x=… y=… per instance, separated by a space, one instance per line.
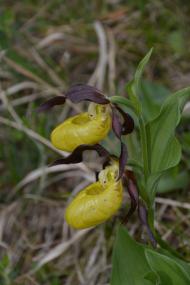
x=90 y=127
x=98 y=202
x=86 y=128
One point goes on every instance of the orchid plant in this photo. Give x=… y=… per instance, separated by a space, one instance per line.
x=159 y=150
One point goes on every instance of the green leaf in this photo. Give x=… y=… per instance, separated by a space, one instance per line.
x=129 y=262
x=182 y=263
x=133 y=98
x=139 y=72
x=153 y=277
x=133 y=87
x=137 y=264
x=152 y=96
x=173 y=180
x=164 y=148
x=122 y=101
x=169 y=271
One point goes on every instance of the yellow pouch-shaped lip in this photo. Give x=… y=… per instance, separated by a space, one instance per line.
x=94 y=205
x=80 y=129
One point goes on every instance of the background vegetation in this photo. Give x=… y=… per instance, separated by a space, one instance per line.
x=45 y=46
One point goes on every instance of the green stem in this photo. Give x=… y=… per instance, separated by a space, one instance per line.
x=146 y=164
x=144 y=145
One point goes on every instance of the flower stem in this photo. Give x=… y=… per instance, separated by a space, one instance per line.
x=146 y=164
x=144 y=144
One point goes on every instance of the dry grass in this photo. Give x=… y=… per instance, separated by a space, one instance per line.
x=47 y=48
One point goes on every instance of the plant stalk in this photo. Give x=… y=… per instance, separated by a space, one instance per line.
x=144 y=145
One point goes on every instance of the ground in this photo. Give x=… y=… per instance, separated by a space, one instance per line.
x=46 y=46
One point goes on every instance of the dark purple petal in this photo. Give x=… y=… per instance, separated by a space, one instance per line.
x=77 y=155
x=97 y=175
x=116 y=124
x=128 y=125
x=122 y=159
x=128 y=122
x=134 y=196
x=58 y=100
x=108 y=160
x=82 y=92
x=143 y=215
x=130 y=175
